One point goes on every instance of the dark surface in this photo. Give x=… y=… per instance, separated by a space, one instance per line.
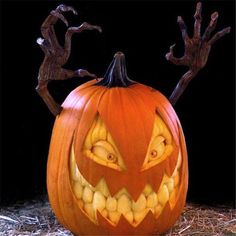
x=143 y=30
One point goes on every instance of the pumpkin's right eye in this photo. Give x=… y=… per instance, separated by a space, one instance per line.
x=100 y=147
x=104 y=151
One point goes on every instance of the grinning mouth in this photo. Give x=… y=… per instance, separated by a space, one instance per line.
x=92 y=199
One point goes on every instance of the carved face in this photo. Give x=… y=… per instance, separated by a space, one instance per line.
x=117 y=162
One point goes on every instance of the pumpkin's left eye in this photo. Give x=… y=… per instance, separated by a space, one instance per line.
x=160 y=146
x=157 y=148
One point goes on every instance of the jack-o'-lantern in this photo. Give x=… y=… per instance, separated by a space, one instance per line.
x=117 y=162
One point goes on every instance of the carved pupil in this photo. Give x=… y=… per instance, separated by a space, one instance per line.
x=111 y=157
x=153 y=153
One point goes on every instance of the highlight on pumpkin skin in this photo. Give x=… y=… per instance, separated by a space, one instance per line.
x=100 y=147
x=160 y=146
x=91 y=199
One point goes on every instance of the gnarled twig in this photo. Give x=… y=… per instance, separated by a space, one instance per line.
x=197 y=49
x=56 y=56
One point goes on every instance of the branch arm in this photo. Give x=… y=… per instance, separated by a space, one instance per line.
x=42 y=90
x=181 y=86
x=196 y=51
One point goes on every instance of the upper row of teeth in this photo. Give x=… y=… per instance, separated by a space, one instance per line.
x=98 y=198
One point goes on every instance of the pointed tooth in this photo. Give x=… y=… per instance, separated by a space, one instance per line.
x=114 y=216
x=111 y=204
x=87 y=195
x=99 y=201
x=121 y=192
x=88 y=207
x=130 y=217
x=152 y=200
x=83 y=181
x=140 y=204
x=123 y=204
x=76 y=174
x=170 y=185
x=176 y=180
x=163 y=195
x=138 y=216
x=78 y=190
x=158 y=210
x=147 y=190
x=104 y=213
x=165 y=179
x=91 y=187
x=73 y=167
x=102 y=187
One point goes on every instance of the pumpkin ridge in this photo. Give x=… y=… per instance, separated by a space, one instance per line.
x=69 y=115
x=144 y=94
x=147 y=107
x=61 y=137
x=89 y=96
x=137 y=100
x=54 y=198
x=94 y=94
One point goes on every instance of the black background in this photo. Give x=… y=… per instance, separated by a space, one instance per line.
x=143 y=30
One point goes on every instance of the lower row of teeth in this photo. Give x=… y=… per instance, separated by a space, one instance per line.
x=92 y=199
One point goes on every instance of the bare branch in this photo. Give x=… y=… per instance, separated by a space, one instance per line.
x=197 y=50
x=56 y=56
x=219 y=35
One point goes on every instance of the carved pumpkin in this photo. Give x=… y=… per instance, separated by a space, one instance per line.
x=117 y=160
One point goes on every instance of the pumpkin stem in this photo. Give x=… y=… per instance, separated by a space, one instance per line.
x=116 y=74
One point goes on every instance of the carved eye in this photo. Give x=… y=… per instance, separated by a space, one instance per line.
x=157 y=148
x=104 y=151
x=100 y=147
x=160 y=145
